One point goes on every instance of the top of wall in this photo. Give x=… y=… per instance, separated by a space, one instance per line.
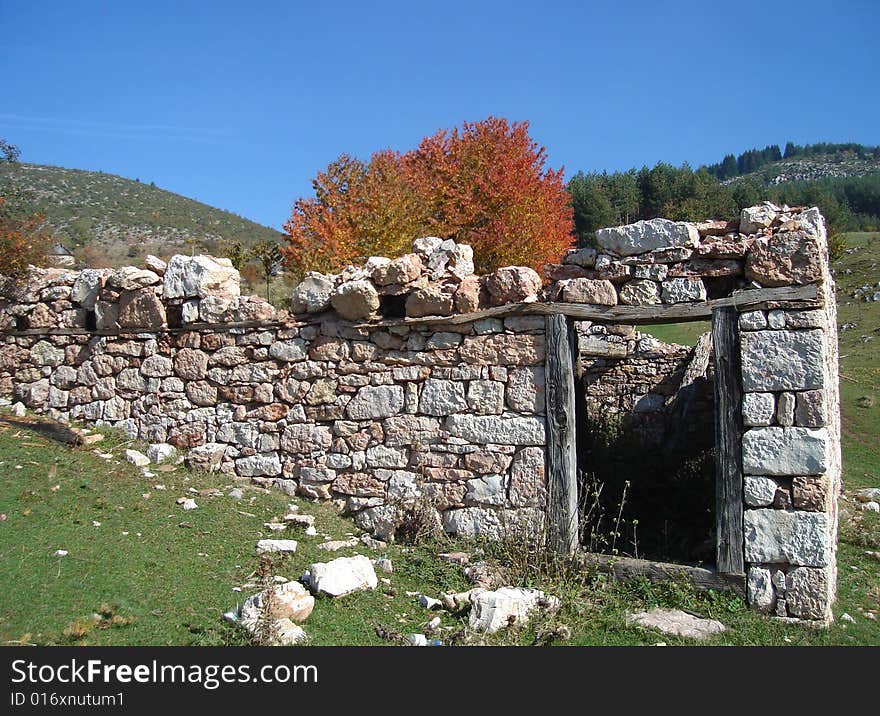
x=656 y=262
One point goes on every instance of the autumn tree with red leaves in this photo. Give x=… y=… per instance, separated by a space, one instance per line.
x=484 y=184
x=22 y=241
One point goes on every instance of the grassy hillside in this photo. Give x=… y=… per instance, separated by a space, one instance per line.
x=126 y=219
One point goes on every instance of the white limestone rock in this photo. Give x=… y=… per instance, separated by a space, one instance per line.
x=442 y=397
x=759 y=491
x=782 y=360
x=265 y=546
x=503 y=607
x=473 y=522
x=644 y=236
x=758 y=409
x=486 y=490
x=342 y=576
x=784 y=451
x=675 y=622
x=87 y=286
x=355 y=300
x=312 y=294
x=484 y=429
x=683 y=290
x=161 y=452
x=376 y=401
x=200 y=276
x=136 y=458
x=799 y=538
x=261 y=465
x=752 y=320
x=759 y=589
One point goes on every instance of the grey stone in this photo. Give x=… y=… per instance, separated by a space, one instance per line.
x=784 y=451
x=780 y=536
x=379 y=401
x=44 y=353
x=810 y=409
x=758 y=409
x=265 y=546
x=442 y=397
x=136 y=458
x=484 y=429
x=785 y=409
x=782 y=360
x=504 y=607
x=384 y=456
x=776 y=318
x=759 y=491
x=289 y=351
x=486 y=397
x=640 y=292
x=759 y=589
x=752 y=320
x=342 y=576
x=312 y=294
x=486 y=490
x=683 y=290
x=200 y=276
x=130 y=278
x=206 y=457
x=261 y=465
x=675 y=622
x=644 y=236
x=87 y=286
x=473 y=522
x=525 y=390
x=304 y=438
x=160 y=452
x=756 y=218
x=585 y=258
x=808 y=593
x=355 y=300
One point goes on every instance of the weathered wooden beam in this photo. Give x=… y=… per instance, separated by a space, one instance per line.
x=662 y=313
x=561 y=435
x=728 y=441
x=626 y=568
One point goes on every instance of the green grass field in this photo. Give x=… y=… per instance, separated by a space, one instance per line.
x=160 y=575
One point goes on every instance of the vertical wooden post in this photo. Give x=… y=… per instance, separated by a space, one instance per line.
x=562 y=497
x=728 y=442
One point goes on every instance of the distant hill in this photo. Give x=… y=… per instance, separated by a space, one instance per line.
x=772 y=166
x=123 y=218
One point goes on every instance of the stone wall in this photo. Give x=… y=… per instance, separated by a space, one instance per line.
x=415 y=377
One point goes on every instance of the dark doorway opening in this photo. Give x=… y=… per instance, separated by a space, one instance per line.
x=646 y=445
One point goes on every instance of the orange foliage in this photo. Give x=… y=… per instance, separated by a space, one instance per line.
x=21 y=241
x=484 y=184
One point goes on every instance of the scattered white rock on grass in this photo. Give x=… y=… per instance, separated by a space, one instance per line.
x=429 y=602
x=275 y=526
x=338 y=544
x=417 y=640
x=871 y=506
x=138 y=459
x=300 y=520
x=276 y=545
x=847 y=618
x=494 y=610
x=675 y=622
x=384 y=565
x=160 y=452
x=311 y=531
x=342 y=576
x=187 y=503
x=290 y=600
x=60 y=552
x=236 y=494
x=18 y=410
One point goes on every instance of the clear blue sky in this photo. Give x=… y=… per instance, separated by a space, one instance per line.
x=238 y=104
